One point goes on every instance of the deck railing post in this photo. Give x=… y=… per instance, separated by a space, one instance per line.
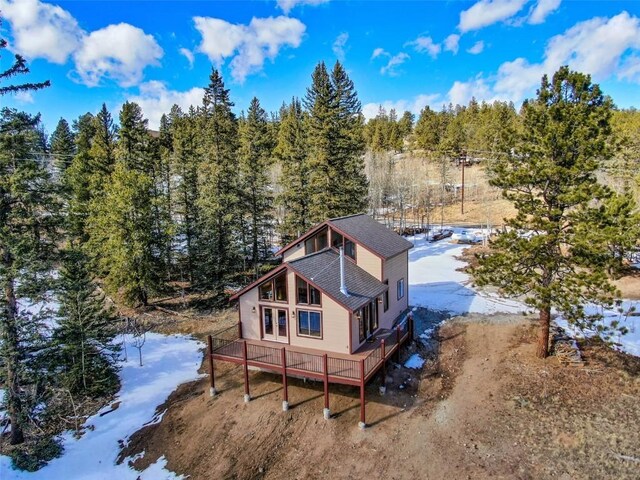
x=410 y=326
x=239 y=329
x=285 y=386
x=398 y=337
x=383 y=385
x=363 y=423
x=247 y=396
x=212 y=380
x=325 y=368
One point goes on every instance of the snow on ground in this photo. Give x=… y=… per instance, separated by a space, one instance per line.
x=168 y=361
x=415 y=361
x=435 y=283
x=629 y=342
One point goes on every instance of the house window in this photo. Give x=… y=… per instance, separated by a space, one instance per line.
x=400 y=288
x=338 y=241
x=317 y=242
x=307 y=294
x=275 y=289
x=385 y=298
x=309 y=323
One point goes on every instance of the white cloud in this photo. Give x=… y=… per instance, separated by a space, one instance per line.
x=602 y=47
x=487 y=12
x=24 y=97
x=188 y=54
x=41 y=30
x=477 y=48
x=542 y=10
x=370 y=110
x=426 y=45
x=288 y=5
x=339 y=45
x=119 y=52
x=156 y=99
x=391 y=67
x=451 y=43
x=249 y=45
x=379 y=52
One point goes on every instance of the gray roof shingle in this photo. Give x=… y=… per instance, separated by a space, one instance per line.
x=323 y=269
x=372 y=234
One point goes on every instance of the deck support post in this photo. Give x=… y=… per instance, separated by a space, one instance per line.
x=398 y=337
x=325 y=368
x=383 y=383
x=247 y=396
x=285 y=385
x=212 y=380
x=363 y=423
x=240 y=329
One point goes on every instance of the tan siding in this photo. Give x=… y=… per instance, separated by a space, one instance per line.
x=368 y=261
x=294 y=252
x=355 y=334
x=250 y=320
x=335 y=320
x=395 y=268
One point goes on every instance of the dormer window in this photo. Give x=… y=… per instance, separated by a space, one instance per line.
x=338 y=241
x=317 y=242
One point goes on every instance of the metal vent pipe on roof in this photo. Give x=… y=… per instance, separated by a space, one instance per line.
x=343 y=281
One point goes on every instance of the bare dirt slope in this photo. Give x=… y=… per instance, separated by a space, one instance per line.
x=481 y=407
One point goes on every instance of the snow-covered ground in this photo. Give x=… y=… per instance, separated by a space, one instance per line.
x=168 y=361
x=436 y=283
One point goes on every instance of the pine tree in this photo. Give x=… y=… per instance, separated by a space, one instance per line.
x=217 y=242
x=18 y=67
x=350 y=186
x=551 y=180
x=62 y=146
x=292 y=152
x=255 y=158
x=185 y=165
x=102 y=153
x=28 y=234
x=124 y=237
x=84 y=353
x=78 y=179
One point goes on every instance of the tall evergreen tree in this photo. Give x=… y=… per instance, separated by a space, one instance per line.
x=255 y=151
x=102 y=153
x=122 y=223
x=292 y=152
x=62 y=146
x=551 y=180
x=218 y=188
x=84 y=353
x=78 y=179
x=28 y=235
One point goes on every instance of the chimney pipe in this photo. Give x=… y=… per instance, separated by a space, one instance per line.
x=343 y=282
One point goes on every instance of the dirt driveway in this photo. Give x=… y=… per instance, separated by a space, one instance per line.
x=481 y=407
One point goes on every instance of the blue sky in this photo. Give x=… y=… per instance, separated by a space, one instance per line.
x=403 y=55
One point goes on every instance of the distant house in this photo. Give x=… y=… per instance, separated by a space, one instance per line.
x=334 y=310
x=318 y=299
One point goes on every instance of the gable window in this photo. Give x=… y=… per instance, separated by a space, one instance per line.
x=307 y=293
x=400 y=288
x=337 y=241
x=274 y=289
x=309 y=323
x=317 y=242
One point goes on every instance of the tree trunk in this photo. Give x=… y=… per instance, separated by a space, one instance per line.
x=10 y=339
x=543 y=336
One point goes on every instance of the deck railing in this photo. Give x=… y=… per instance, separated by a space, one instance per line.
x=227 y=343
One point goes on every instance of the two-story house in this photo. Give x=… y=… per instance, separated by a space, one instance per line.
x=318 y=299
x=332 y=311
